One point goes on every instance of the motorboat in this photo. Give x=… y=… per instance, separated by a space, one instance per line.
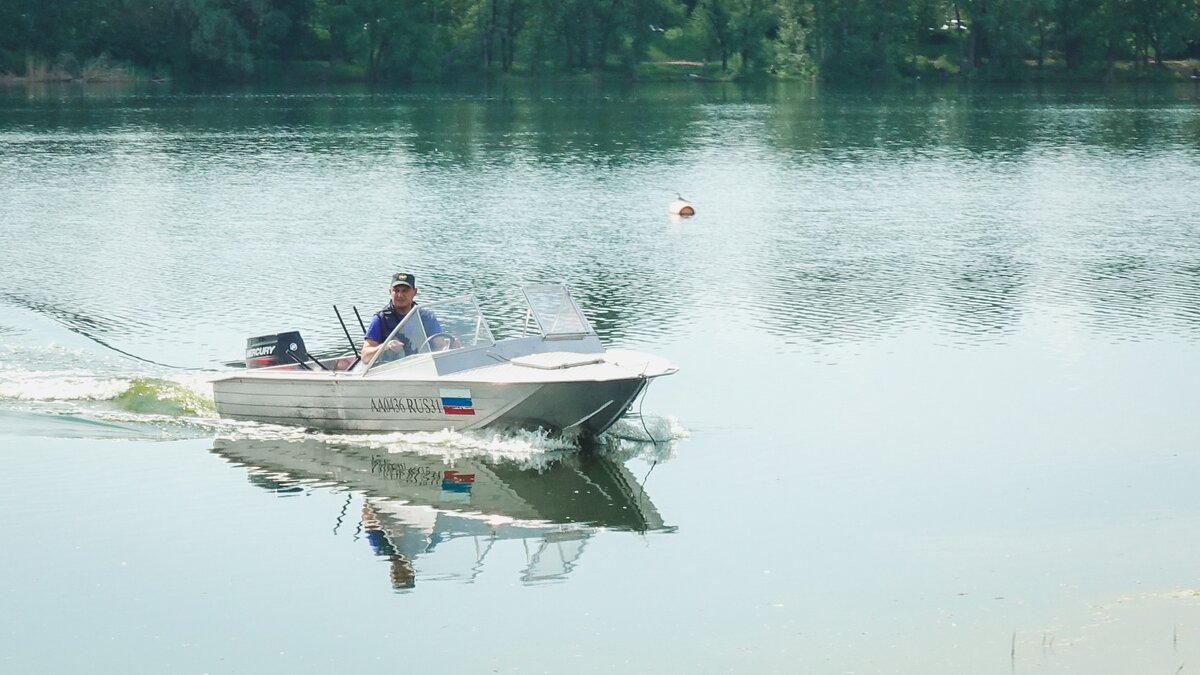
x=445 y=370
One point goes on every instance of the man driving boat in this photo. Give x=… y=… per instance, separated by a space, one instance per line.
x=403 y=291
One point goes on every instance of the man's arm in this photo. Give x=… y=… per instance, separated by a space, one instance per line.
x=368 y=349
x=373 y=339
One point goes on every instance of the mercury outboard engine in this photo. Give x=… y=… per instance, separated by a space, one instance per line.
x=272 y=350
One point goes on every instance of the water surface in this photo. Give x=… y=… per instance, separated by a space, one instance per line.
x=935 y=411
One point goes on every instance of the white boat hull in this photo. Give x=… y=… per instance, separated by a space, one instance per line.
x=346 y=404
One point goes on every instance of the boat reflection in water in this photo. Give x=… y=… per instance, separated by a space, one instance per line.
x=436 y=518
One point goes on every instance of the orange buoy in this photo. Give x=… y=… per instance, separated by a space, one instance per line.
x=681 y=207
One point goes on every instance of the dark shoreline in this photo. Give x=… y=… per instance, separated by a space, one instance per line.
x=1174 y=71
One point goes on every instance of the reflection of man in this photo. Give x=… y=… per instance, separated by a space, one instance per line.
x=401 y=573
x=403 y=293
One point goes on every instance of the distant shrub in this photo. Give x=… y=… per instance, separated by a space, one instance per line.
x=942 y=65
x=104 y=69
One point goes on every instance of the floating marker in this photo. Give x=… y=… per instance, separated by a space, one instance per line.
x=681 y=207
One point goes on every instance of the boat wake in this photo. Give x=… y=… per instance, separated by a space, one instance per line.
x=531 y=449
x=55 y=382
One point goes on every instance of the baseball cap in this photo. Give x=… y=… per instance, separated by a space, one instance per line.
x=404 y=279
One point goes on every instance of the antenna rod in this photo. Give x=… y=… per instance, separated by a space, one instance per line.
x=347 y=331
x=360 y=323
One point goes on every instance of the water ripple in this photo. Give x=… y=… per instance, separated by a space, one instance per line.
x=173 y=228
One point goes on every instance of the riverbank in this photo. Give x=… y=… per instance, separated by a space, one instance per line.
x=104 y=70
x=67 y=69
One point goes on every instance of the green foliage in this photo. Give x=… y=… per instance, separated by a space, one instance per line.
x=996 y=44
x=940 y=66
x=219 y=41
x=790 y=52
x=862 y=38
x=404 y=40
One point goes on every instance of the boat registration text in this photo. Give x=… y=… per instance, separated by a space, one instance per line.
x=419 y=405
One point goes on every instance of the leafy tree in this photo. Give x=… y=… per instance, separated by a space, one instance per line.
x=751 y=21
x=486 y=32
x=790 y=51
x=998 y=36
x=863 y=39
x=219 y=41
x=1161 y=27
x=713 y=20
x=438 y=39
x=1076 y=31
x=339 y=28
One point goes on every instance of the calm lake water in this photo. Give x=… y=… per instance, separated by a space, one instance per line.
x=936 y=410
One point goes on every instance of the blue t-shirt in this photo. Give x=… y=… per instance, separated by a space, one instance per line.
x=386 y=320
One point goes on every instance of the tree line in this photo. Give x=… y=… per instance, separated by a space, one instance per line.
x=438 y=40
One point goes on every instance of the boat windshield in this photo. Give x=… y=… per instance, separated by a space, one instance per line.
x=555 y=311
x=439 y=326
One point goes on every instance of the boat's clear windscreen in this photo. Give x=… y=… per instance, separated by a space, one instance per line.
x=435 y=327
x=555 y=311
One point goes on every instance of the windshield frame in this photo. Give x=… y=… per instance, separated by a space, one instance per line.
x=458 y=319
x=555 y=312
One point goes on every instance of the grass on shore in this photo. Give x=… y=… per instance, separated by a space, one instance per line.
x=67 y=69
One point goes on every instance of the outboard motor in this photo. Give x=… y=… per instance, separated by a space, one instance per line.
x=272 y=350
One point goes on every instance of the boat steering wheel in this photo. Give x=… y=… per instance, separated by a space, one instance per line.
x=449 y=342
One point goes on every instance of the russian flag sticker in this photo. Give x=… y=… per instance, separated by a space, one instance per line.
x=457 y=402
